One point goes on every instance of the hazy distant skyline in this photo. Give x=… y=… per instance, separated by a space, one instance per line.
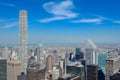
x=62 y=21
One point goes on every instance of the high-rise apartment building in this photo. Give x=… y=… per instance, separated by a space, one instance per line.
x=13 y=69
x=112 y=66
x=38 y=53
x=5 y=52
x=92 y=72
x=23 y=39
x=3 y=69
x=90 y=52
x=55 y=73
x=49 y=63
x=91 y=56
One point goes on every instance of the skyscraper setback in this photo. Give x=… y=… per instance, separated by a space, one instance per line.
x=23 y=39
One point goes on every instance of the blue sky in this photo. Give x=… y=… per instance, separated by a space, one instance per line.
x=62 y=21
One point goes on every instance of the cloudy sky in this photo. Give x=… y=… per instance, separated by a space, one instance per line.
x=62 y=21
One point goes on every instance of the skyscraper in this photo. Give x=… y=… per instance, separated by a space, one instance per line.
x=112 y=66
x=90 y=52
x=3 y=69
x=101 y=61
x=76 y=69
x=23 y=39
x=77 y=50
x=39 y=52
x=92 y=72
x=13 y=67
x=91 y=56
x=49 y=63
x=5 y=52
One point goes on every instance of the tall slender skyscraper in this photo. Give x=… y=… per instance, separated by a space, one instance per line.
x=23 y=39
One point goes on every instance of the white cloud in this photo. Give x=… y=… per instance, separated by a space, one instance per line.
x=7 y=4
x=61 y=10
x=52 y=19
x=13 y=24
x=94 y=20
x=109 y=20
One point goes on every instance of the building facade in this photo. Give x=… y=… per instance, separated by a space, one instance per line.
x=112 y=66
x=91 y=56
x=23 y=39
x=13 y=69
x=3 y=69
x=49 y=63
x=76 y=69
x=35 y=74
x=115 y=76
x=92 y=72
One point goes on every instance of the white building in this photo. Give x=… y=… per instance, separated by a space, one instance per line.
x=55 y=73
x=91 y=53
x=23 y=39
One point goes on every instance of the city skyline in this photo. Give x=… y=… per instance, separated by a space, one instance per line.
x=62 y=21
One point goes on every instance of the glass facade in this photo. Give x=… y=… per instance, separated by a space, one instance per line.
x=77 y=50
x=3 y=69
x=76 y=70
x=101 y=61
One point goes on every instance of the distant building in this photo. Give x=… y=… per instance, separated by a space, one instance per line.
x=92 y=72
x=71 y=57
x=35 y=74
x=39 y=57
x=32 y=63
x=112 y=66
x=49 y=63
x=79 y=55
x=38 y=53
x=3 y=69
x=62 y=66
x=5 y=52
x=55 y=73
x=91 y=56
x=77 y=50
x=90 y=53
